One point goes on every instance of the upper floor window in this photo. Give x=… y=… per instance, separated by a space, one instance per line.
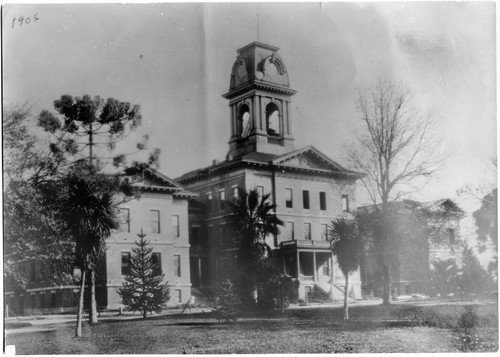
x=125 y=263
x=33 y=271
x=124 y=220
x=156 y=260
x=222 y=200
x=288 y=198
x=345 y=203
x=175 y=225
x=177 y=266
x=305 y=199
x=324 y=231
x=322 y=201
x=451 y=235
x=272 y=120
x=154 y=216
x=235 y=194
x=307 y=231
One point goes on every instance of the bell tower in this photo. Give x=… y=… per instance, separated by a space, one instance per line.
x=259 y=101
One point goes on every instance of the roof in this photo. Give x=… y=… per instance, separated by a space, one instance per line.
x=157 y=181
x=279 y=161
x=443 y=206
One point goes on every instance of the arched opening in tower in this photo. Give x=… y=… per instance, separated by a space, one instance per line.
x=273 y=120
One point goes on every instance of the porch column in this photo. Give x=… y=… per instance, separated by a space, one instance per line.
x=283 y=263
x=315 y=272
x=298 y=264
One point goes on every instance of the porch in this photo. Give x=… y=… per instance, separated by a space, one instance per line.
x=315 y=267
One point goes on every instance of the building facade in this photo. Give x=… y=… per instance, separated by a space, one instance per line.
x=426 y=232
x=308 y=188
x=161 y=212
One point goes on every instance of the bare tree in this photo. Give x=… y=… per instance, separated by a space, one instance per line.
x=396 y=151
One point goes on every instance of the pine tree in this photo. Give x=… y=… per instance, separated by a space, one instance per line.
x=143 y=289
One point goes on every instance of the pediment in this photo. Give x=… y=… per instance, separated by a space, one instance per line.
x=312 y=159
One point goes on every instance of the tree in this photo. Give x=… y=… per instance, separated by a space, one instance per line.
x=96 y=124
x=486 y=219
x=349 y=247
x=445 y=277
x=90 y=217
x=474 y=279
x=34 y=228
x=143 y=289
x=395 y=151
x=254 y=219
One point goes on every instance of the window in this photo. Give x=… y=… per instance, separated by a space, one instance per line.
x=156 y=259
x=345 y=203
x=324 y=231
x=209 y=197
x=260 y=189
x=125 y=263
x=288 y=198
x=235 y=194
x=307 y=231
x=52 y=299
x=178 y=295
x=222 y=200
x=290 y=234
x=177 y=266
x=33 y=272
x=451 y=235
x=155 y=221
x=124 y=220
x=175 y=225
x=305 y=199
x=322 y=201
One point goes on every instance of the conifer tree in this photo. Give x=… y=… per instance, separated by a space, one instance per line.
x=143 y=289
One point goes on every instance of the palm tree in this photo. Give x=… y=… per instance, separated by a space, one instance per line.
x=91 y=217
x=349 y=247
x=254 y=219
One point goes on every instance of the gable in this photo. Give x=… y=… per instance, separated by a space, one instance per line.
x=306 y=161
x=312 y=159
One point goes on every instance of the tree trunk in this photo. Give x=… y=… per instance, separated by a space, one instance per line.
x=346 y=297
x=80 y=308
x=144 y=314
x=93 y=303
x=387 y=284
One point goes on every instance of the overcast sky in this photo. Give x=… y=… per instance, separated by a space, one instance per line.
x=174 y=60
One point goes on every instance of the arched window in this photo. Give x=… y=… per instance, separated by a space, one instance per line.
x=245 y=122
x=273 y=120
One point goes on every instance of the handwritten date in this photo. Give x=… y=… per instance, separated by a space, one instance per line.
x=22 y=20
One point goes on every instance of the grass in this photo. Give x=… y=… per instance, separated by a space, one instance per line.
x=371 y=329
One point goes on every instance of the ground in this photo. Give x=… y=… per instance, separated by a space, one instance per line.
x=372 y=329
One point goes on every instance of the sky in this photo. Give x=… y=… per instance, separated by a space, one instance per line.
x=175 y=59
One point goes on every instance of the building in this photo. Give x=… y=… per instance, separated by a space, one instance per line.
x=161 y=212
x=308 y=188
x=426 y=232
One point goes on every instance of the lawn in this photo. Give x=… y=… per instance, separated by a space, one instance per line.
x=373 y=329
